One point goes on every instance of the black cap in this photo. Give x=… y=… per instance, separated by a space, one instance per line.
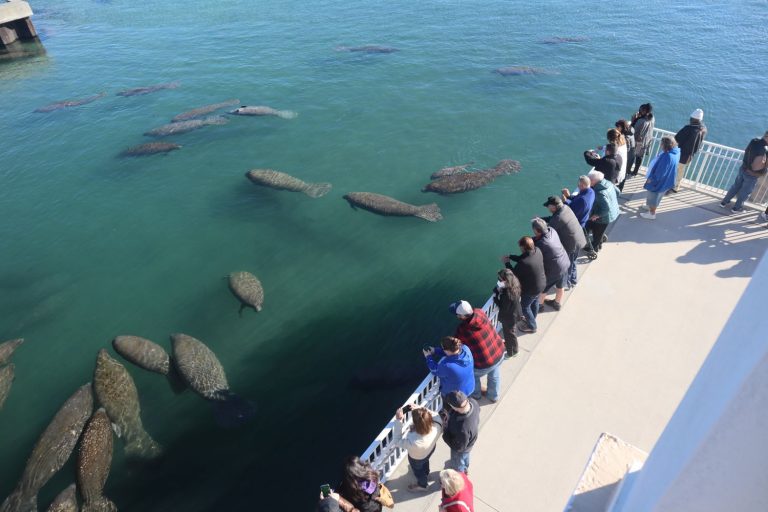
x=455 y=399
x=554 y=201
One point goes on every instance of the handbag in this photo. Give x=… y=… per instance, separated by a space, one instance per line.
x=385 y=497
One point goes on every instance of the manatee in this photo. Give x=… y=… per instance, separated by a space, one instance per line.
x=6 y=380
x=93 y=463
x=7 y=348
x=151 y=148
x=149 y=356
x=116 y=392
x=66 y=501
x=564 y=40
x=384 y=205
x=59 y=105
x=51 y=451
x=264 y=111
x=369 y=48
x=247 y=288
x=139 y=91
x=471 y=180
x=386 y=376
x=521 y=70
x=450 y=171
x=282 y=181
x=202 y=111
x=185 y=126
x=204 y=375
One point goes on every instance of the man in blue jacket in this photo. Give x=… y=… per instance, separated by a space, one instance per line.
x=580 y=200
x=453 y=364
x=661 y=176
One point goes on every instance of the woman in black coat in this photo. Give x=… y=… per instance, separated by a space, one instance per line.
x=506 y=296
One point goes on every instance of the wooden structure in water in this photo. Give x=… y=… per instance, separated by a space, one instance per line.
x=15 y=22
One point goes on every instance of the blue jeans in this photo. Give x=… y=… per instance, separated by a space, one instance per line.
x=572 y=271
x=459 y=461
x=741 y=188
x=530 y=306
x=421 y=469
x=493 y=381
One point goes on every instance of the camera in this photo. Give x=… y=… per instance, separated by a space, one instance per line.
x=408 y=408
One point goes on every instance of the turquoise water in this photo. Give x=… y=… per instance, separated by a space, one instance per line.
x=95 y=246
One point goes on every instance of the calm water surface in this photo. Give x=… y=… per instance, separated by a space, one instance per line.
x=94 y=246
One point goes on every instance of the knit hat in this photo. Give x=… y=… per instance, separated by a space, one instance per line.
x=455 y=398
x=461 y=308
x=697 y=114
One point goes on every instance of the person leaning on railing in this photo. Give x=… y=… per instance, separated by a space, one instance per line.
x=660 y=176
x=605 y=209
x=453 y=364
x=420 y=442
x=689 y=139
x=753 y=167
x=529 y=269
x=642 y=123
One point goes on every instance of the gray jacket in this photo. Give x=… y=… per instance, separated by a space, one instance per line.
x=556 y=261
x=568 y=229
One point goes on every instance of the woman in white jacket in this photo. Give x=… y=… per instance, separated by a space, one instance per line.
x=420 y=442
x=615 y=136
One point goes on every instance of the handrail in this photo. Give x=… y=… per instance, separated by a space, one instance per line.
x=385 y=453
x=713 y=168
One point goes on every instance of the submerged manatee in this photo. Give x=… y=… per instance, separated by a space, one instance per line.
x=204 y=375
x=149 y=356
x=202 y=111
x=369 y=48
x=185 y=126
x=385 y=205
x=522 y=70
x=471 y=180
x=247 y=288
x=117 y=393
x=51 y=451
x=66 y=501
x=93 y=463
x=151 y=148
x=282 y=181
x=450 y=171
x=6 y=381
x=69 y=103
x=7 y=348
x=139 y=91
x=264 y=111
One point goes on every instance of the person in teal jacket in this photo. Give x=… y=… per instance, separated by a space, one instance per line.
x=661 y=175
x=605 y=209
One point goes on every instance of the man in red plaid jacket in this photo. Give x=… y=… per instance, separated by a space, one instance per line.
x=477 y=333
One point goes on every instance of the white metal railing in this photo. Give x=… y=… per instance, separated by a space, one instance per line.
x=385 y=453
x=713 y=168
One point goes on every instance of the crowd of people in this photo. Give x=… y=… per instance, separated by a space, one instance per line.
x=546 y=263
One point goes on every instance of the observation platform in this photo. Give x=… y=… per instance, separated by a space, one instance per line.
x=617 y=358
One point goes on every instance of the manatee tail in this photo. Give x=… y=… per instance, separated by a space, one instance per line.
x=317 y=189
x=178 y=385
x=100 y=504
x=430 y=212
x=143 y=447
x=17 y=502
x=233 y=411
x=287 y=114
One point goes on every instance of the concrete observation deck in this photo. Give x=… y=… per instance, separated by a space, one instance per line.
x=617 y=358
x=15 y=22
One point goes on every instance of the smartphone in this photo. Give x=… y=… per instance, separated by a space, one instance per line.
x=407 y=409
x=325 y=489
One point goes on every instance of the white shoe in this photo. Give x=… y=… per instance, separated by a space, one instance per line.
x=649 y=216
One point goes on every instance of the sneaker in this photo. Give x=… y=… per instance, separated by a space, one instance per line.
x=526 y=329
x=762 y=217
x=418 y=488
x=737 y=210
x=553 y=304
x=723 y=205
x=510 y=356
x=649 y=216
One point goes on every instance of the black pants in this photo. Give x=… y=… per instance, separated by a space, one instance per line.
x=510 y=338
x=598 y=230
x=638 y=163
x=630 y=163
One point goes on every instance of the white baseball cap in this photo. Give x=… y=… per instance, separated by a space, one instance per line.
x=697 y=114
x=461 y=308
